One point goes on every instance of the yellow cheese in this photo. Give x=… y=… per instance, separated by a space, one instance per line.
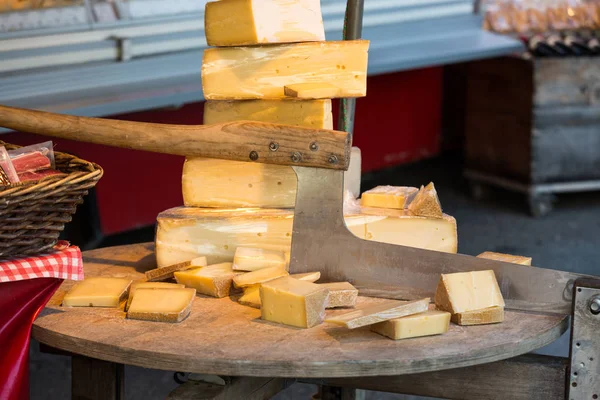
x=253 y=259
x=307 y=276
x=238 y=73
x=97 y=292
x=186 y=232
x=248 y=22
x=148 y=285
x=388 y=197
x=161 y=304
x=490 y=315
x=214 y=280
x=208 y=182
x=164 y=273
x=258 y=276
x=315 y=90
x=468 y=291
x=341 y=294
x=422 y=324
x=370 y=314
x=251 y=296
x=426 y=203
x=293 y=302
x=307 y=113
x=506 y=258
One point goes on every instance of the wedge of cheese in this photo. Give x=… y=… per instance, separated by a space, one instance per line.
x=396 y=197
x=187 y=232
x=208 y=182
x=382 y=311
x=490 y=315
x=311 y=114
x=314 y=90
x=258 y=276
x=293 y=302
x=262 y=72
x=251 y=296
x=307 y=276
x=468 y=291
x=426 y=203
x=148 y=285
x=161 y=304
x=97 y=292
x=422 y=324
x=506 y=258
x=341 y=294
x=164 y=273
x=250 y=22
x=214 y=280
x=253 y=259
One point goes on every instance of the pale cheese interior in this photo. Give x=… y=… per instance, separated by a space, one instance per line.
x=161 y=300
x=97 y=292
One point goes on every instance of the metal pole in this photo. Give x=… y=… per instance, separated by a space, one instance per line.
x=352 y=30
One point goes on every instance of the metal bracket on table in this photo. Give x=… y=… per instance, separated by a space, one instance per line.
x=583 y=381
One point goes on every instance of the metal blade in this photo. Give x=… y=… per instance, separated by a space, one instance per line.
x=321 y=241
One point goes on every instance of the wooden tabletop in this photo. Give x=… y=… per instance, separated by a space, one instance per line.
x=225 y=338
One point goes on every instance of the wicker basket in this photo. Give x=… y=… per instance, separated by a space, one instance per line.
x=33 y=214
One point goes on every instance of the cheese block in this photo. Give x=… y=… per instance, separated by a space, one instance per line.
x=293 y=302
x=426 y=203
x=422 y=324
x=261 y=72
x=250 y=22
x=341 y=294
x=161 y=304
x=253 y=259
x=314 y=90
x=148 y=285
x=251 y=296
x=259 y=276
x=468 y=291
x=506 y=258
x=382 y=311
x=307 y=276
x=208 y=182
x=164 y=273
x=187 y=232
x=307 y=113
x=490 y=315
x=388 y=197
x=97 y=292
x=214 y=280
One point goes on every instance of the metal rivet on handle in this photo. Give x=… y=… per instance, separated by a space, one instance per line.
x=332 y=159
x=274 y=146
x=314 y=146
x=595 y=305
x=253 y=155
x=296 y=156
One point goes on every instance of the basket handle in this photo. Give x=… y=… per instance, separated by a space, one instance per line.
x=240 y=140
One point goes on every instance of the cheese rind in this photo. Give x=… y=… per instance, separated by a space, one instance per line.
x=258 y=276
x=148 y=285
x=506 y=258
x=97 y=292
x=426 y=203
x=237 y=73
x=253 y=259
x=250 y=22
x=379 y=312
x=490 y=315
x=422 y=324
x=341 y=294
x=214 y=280
x=388 y=197
x=164 y=273
x=310 y=114
x=293 y=302
x=161 y=304
x=468 y=291
x=315 y=90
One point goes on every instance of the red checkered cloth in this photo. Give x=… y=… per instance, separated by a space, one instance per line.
x=64 y=262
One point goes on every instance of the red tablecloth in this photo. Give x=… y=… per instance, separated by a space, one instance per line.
x=26 y=285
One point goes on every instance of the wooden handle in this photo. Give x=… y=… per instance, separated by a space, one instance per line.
x=240 y=141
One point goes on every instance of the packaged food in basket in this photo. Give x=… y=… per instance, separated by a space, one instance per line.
x=8 y=174
x=34 y=162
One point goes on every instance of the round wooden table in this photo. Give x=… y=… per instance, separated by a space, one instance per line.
x=223 y=337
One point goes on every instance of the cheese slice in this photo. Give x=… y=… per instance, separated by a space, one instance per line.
x=468 y=291
x=97 y=292
x=161 y=304
x=388 y=197
x=253 y=259
x=341 y=294
x=187 y=232
x=238 y=73
x=426 y=203
x=251 y=296
x=490 y=315
x=307 y=276
x=214 y=280
x=249 y=22
x=164 y=273
x=208 y=182
x=259 y=276
x=293 y=302
x=506 y=258
x=422 y=324
x=314 y=90
x=148 y=285
x=373 y=313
